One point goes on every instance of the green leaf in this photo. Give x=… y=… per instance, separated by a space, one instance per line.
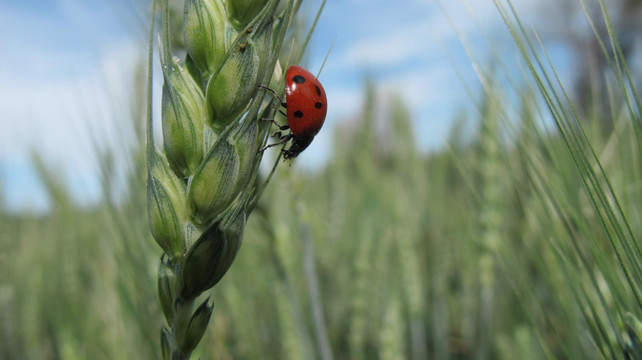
x=211 y=256
x=215 y=183
x=243 y=11
x=230 y=89
x=165 y=291
x=166 y=206
x=184 y=115
x=167 y=343
x=204 y=29
x=197 y=326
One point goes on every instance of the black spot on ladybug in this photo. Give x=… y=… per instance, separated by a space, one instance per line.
x=318 y=90
x=298 y=79
x=318 y=105
x=298 y=114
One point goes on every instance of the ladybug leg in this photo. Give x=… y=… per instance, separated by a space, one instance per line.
x=282 y=140
x=281 y=127
x=275 y=95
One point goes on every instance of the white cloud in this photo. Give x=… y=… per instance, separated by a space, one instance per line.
x=468 y=17
x=392 y=41
x=66 y=118
x=344 y=101
x=52 y=99
x=390 y=48
x=431 y=84
x=44 y=109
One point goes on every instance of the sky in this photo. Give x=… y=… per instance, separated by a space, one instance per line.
x=64 y=63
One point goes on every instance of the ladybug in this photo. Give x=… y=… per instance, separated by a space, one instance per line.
x=306 y=107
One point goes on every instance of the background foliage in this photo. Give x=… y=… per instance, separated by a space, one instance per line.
x=520 y=240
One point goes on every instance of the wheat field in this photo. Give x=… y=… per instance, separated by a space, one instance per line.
x=519 y=240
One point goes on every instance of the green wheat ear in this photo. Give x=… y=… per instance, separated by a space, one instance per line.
x=201 y=186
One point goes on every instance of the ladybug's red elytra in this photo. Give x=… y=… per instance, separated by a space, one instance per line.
x=306 y=107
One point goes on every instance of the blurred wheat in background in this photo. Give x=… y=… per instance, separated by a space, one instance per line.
x=520 y=239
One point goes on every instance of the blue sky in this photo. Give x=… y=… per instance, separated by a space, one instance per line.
x=63 y=63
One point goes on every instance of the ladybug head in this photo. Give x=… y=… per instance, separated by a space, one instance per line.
x=298 y=145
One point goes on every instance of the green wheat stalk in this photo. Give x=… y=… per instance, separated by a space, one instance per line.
x=609 y=297
x=201 y=185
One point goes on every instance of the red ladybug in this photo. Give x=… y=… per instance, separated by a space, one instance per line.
x=306 y=106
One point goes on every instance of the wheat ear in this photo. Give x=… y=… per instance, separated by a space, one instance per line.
x=201 y=184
